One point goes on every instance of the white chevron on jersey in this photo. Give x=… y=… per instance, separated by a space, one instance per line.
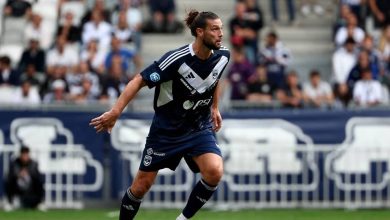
x=193 y=79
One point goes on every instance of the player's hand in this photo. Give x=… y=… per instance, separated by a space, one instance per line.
x=105 y=122
x=216 y=119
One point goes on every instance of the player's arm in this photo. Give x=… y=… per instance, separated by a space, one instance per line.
x=215 y=114
x=107 y=120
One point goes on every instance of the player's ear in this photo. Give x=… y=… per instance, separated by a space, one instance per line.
x=199 y=32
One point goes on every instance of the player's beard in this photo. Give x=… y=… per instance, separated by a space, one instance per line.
x=210 y=45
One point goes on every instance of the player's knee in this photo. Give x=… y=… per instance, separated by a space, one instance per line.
x=213 y=174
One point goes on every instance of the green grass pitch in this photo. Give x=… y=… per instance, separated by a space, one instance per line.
x=293 y=214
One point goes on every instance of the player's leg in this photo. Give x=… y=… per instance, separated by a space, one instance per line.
x=133 y=196
x=211 y=169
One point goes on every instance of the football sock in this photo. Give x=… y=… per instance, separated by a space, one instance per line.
x=198 y=197
x=129 y=207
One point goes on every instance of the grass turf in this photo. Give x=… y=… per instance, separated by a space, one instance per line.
x=293 y=214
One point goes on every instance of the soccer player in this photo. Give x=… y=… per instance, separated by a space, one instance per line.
x=186 y=114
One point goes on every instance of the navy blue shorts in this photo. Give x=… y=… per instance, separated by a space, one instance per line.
x=160 y=154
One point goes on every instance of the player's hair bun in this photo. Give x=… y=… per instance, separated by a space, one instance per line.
x=196 y=19
x=191 y=17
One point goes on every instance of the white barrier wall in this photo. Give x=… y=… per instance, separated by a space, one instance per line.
x=269 y=163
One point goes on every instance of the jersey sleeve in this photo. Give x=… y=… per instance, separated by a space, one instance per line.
x=156 y=74
x=225 y=53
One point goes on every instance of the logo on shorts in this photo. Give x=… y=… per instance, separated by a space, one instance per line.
x=149 y=151
x=147 y=160
x=188 y=104
x=155 y=77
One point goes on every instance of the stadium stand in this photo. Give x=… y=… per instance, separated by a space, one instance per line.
x=306 y=57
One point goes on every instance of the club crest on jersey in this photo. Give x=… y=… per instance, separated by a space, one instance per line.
x=147 y=160
x=155 y=77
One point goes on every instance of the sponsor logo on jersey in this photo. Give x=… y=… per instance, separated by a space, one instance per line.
x=188 y=104
x=190 y=75
x=155 y=77
x=149 y=151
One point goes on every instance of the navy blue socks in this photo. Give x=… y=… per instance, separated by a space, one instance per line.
x=199 y=196
x=129 y=207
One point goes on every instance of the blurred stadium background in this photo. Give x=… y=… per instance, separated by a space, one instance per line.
x=304 y=158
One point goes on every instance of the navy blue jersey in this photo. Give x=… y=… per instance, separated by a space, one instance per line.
x=184 y=91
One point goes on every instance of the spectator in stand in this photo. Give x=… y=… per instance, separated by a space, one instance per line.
x=76 y=79
x=163 y=13
x=17 y=8
x=59 y=73
x=133 y=14
x=351 y=30
x=238 y=74
x=384 y=48
x=341 y=20
x=61 y=55
x=276 y=58
x=23 y=181
x=34 y=29
x=358 y=8
x=122 y=30
x=290 y=9
x=33 y=55
x=58 y=93
x=133 y=18
x=381 y=11
x=68 y=29
x=32 y=76
x=26 y=94
x=356 y=72
x=94 y=57
x=259 y=89
x=8 y=76
x=113 y=84
x=367 y=91
x=375 y=57
x=98 y=6
x=86 y=95
x=245 y=26
x=291 y=95
x=343 y=60
x=97 y=29
x=317 y=93
x=130 y=61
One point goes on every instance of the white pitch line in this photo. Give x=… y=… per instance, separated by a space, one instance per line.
x=113 y=214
